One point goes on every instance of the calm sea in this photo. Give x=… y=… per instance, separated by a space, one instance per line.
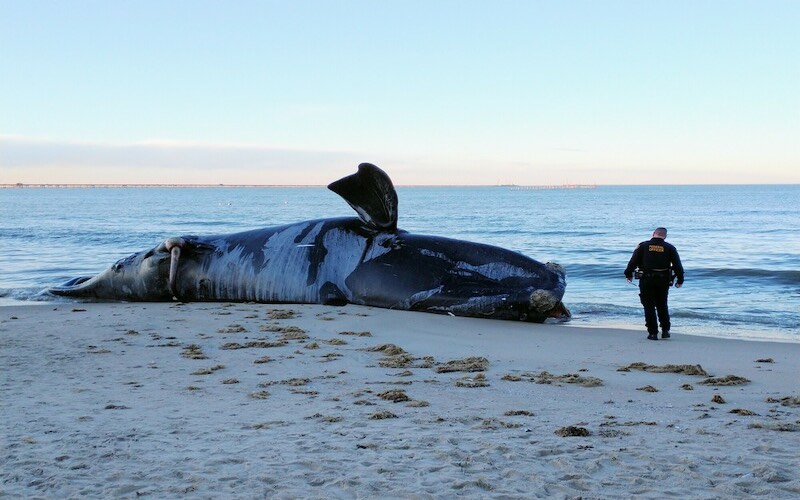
x=740 y=245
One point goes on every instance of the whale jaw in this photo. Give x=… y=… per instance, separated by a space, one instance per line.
x=77 y=287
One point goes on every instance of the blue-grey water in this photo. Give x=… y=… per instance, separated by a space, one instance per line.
x=740 y=245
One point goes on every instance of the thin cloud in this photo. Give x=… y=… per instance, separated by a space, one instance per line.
x=27 y=160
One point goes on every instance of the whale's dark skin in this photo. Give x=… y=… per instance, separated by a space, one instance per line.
x=365 y=261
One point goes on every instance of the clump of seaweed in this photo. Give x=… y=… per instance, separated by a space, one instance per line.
x=417 y=404
x=398 y=361
x=208 y=371
x=569 y=378
x=294 y=335
x=630 y=423
x=683 y=369
x=470 y=364
x=776 y=426
x=726 y=380
x=647 y=388
x=386 y=349
x=231 y=345
x=193 y=351
x=234 y=328
x=425 y=362
x=785 y=401
x=265 y=344
x=325 y=418
x=382 y=415
x=395 y=396
x=518 y=413
x=743 y=412
x=393 y=356
x=305 y=392
x=718 y=399
x=356 y=334
x=280 y=329
x=573 y=431
x=268 y=425
x=281 y=314
x=495 y=424
x=478 y=380
x=295 y=382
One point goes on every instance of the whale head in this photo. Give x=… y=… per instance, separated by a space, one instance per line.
x=142 y=276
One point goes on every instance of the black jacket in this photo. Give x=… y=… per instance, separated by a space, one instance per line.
x=655 y=255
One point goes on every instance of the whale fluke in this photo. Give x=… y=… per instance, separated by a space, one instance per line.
x=371 y=194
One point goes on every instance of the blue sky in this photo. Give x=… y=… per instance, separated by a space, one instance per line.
x=460 y=92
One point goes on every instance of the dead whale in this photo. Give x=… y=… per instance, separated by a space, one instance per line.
x=365 y=260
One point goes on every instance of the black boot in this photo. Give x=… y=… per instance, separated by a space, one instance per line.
x=652 y=336
x=665 y=334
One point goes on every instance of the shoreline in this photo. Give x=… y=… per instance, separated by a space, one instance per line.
x=127 y=399
x=758 y=334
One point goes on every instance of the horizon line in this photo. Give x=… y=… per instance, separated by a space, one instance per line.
x=135 y=185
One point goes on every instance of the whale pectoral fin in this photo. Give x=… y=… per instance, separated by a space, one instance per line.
x=371 y=194
x=330 y=295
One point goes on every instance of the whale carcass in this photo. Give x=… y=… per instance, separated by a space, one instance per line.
x=365 y=260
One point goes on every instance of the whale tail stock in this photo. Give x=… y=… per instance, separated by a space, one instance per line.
x=371 y=194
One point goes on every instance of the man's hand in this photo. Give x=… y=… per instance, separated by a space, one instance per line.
x=678 y=285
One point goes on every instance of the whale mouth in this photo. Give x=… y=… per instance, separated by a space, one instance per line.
x=560 y=313
x=76 y=287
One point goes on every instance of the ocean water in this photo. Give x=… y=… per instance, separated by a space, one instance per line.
x=740 y=245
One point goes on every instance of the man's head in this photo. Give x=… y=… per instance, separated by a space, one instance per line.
x=660 y=232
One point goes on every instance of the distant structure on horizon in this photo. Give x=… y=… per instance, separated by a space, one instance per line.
x=22 y=185
x=517 y=187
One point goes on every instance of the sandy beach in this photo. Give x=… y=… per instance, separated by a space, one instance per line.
x=202 y=400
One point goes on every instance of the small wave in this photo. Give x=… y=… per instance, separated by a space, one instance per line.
x=773 y=276
x=603 y=309
x=786 y=277
x=738 y=321
x=208 y=223
x=11 y=296
x=769 y=319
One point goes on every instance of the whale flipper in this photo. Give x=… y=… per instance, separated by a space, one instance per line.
x=371 y=194
x=331 y=295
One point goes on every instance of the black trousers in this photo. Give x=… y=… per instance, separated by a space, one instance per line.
x=653 y=293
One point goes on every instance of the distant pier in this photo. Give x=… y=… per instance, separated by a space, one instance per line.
x=515 y=187
x=20 y=185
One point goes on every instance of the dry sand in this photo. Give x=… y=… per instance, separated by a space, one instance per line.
x=250 y=400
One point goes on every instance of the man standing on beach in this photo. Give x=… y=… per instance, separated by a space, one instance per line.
x=656 y=260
